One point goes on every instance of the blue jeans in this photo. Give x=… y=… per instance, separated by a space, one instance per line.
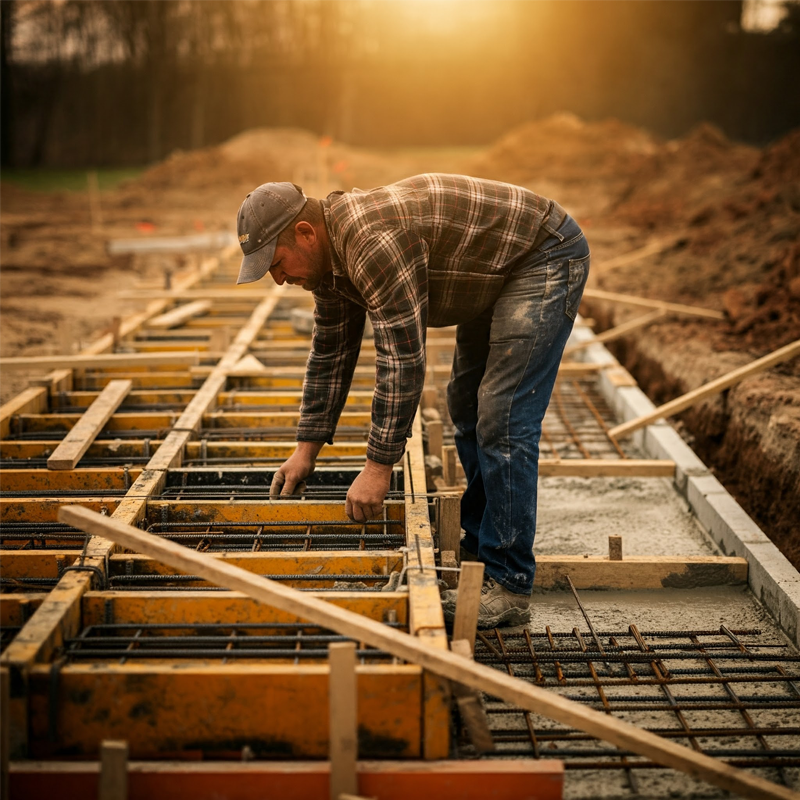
x=504 y=369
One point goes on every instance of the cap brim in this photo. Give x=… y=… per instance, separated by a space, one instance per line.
x=256 y=265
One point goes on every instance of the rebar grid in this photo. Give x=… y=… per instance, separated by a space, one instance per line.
x=727 y=693
x=40 y=536
x=577 y=422
x=225 y=642
x=381 y=534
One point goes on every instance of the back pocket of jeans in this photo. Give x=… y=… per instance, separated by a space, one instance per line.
x=578 y=272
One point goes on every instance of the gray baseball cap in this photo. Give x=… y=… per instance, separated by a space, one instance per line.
x=265 y=212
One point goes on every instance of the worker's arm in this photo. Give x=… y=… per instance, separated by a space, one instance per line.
x=390 y=272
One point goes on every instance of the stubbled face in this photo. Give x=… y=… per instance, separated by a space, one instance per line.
x=302 y=265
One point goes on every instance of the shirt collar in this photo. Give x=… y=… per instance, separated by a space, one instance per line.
x=337 y=265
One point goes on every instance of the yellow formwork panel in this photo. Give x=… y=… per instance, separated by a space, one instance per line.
x=253 y=512
x=197 y=608
x=16 y=609
x=16 y=564
x=143 y=420
x=191 y=710
x=99 y=479
x=329 y=563
x=45 y=509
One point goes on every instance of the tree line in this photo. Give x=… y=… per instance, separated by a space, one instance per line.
x=125 y=82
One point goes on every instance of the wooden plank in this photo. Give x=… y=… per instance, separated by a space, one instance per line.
x=113 y=770
x=99 y=361
x=606 y=467
x=725 y=381
x=342 y=718
x=444 y=663
x=260 y=780
x=277 y=707
x=644 y=302
x=639 y=572
x=85 y=431
x=650 y=249
x=465 y=624
x=618 y=332
x=426 y=620
x=177 y=316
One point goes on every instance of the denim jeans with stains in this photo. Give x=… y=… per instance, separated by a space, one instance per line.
x=504 y=369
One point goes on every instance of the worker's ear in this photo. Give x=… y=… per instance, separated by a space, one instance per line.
x=304 y=231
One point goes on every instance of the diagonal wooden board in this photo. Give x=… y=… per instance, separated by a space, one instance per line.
x=87 y=428
x=716 y=386
x=441 y=662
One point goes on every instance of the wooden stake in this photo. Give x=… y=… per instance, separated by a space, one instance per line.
x=86 y=429
x=113 y=770
x=644 y=302
x=449 y=576
x=449 y=461
x=465 y=624
x=615 y=548
x=449 y=527
x=343 y=723
x=470 y=705
x=441 y=662
x=435 y=437
x=713 y=387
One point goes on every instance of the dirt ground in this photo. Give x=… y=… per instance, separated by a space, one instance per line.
x=722 y=222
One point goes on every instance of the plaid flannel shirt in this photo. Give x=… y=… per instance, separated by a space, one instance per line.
x=429 y=250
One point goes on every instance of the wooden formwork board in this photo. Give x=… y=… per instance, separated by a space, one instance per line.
x=98 y=479
x=16 y=607
x=293 y=780
x=45 y=509
x=193 y=709
x=197 y=607
x=253 y=512
x=212 y=448
x=16 y=564
x=176 y=397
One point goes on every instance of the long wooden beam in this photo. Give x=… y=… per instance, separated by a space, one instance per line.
x=445 y=664
x=612 y=334
x=644 y=302
x=713 y=387
x=16 y=364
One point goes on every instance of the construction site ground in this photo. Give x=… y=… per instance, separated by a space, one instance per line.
x=720 y=221
x=701 y=221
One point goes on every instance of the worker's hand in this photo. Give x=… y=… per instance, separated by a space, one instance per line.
x=368 y=491
x=290 y=477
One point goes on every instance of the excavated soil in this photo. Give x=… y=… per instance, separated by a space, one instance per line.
x=723 y=220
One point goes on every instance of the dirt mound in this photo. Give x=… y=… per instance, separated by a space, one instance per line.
x=564 y=148
x=267 y=154
x=779 y=164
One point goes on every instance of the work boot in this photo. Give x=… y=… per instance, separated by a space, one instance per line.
x=499 y=606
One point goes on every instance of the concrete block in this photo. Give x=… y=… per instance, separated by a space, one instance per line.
x=769 y=570
x=789 y=610
x=724 y=519
x=663 y=441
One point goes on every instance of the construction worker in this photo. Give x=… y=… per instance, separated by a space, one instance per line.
x=505 y=265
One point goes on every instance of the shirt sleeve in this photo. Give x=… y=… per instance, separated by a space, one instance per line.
x=336 y=343
x=389 y=270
